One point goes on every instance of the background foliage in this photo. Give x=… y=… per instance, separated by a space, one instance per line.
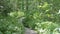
x=9 y=22
x=42 y=16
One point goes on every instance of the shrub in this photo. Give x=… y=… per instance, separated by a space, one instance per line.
x=10 y=25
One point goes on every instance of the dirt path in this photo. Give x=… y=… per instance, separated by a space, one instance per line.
x=29 y=31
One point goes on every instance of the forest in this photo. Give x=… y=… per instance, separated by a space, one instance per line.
x=42 y=16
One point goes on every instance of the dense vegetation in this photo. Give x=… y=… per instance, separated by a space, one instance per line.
x=42 y=16
x=9 y=22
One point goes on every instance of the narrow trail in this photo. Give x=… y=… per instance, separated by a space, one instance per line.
x=29 y=31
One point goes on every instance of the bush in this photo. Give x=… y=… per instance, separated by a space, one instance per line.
x=10 y=25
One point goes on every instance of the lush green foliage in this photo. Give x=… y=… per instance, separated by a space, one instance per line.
x=10 y=25
x=9 y=22
x=40 y=15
